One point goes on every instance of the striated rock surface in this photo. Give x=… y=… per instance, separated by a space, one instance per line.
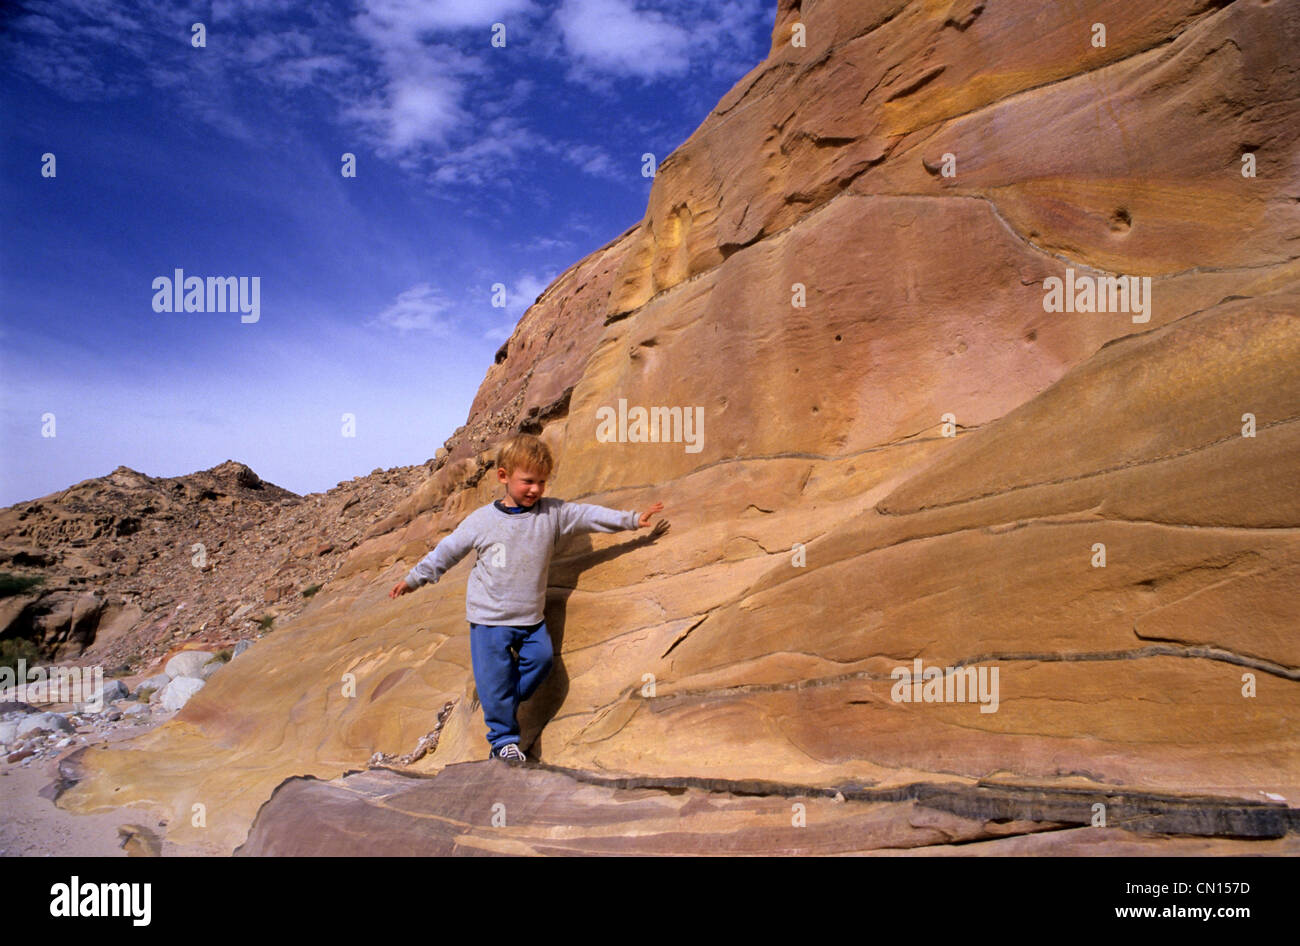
x=904 y=457
x=482 y=808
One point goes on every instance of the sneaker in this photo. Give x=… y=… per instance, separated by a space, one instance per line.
x=510 y=753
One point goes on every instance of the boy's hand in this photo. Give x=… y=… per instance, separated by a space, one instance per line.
x=660 y=527
x=399 y=589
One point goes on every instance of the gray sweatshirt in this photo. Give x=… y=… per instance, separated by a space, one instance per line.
x=508 y=583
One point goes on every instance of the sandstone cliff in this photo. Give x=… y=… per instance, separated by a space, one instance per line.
x=904 y=456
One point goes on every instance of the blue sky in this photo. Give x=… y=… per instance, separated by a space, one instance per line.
x=475 y=164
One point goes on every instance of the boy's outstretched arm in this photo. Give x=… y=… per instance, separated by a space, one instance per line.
x=432 y=567
x=577 y=518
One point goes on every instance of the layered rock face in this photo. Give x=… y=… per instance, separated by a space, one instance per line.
x=900 y=461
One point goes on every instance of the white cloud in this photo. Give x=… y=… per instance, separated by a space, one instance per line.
x=413 y=17
x=543 y=244
x=412 y=111
x=415 y=80
x=266 y=46
x=227 y=10
x=524 y=293
x=596 y=161
x=527 y=288
x=37 y=24
x=418 y=309
x=422 y=84
x=613 y=36
x=306 y=71
x=495 y=144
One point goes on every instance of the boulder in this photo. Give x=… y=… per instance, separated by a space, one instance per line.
x=110 y=691
x=187 y=663
x=156 y=683
x=210 y=668
x=177 y=693
x=43 y=723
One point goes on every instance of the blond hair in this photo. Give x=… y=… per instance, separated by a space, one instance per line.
x=526 y=452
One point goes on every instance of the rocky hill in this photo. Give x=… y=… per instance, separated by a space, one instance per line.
x=121 y=570
x=988 y=319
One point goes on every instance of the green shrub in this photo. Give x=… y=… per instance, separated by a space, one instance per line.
x=311 y=590
x=265 y=622
x=11 y=584
x=16 y=648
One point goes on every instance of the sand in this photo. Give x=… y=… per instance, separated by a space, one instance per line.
x=31 y=825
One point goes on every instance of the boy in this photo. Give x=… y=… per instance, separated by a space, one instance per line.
x=507 y=588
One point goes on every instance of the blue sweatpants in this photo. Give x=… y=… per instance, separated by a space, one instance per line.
x=502 y=683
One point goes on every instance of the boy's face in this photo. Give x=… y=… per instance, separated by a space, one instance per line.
x=523 y=487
